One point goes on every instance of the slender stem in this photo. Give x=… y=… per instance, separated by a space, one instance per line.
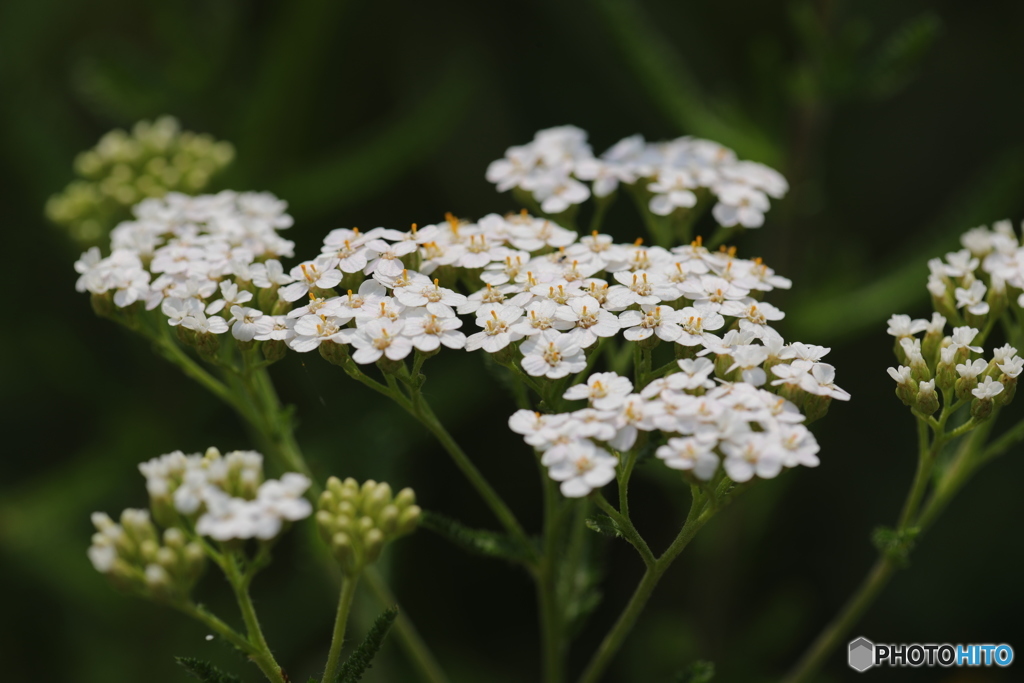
x=698 y=516
x=420 y=409
x=263 y=657
x=836 y=631
x=348 y=592
x=287 y=450
x=963 y=464
x=1000 y=445
x=551 y=625
x=210 y=619
x=628 y=530
x=925 y=462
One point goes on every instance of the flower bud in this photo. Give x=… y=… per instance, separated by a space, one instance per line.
x=358 y=521
x=1009 y=390
x=981 y=409
x=927 y=400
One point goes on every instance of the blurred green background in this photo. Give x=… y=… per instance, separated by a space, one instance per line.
x=897 y=124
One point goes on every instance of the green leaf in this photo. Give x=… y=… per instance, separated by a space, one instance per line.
x=204 y=671
x=477 y=541
x=361 y=659
x=698 y=672
x=603 y=524
x=896 y=60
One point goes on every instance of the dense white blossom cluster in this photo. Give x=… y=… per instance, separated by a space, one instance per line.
x=541 y=283
x=532 y=292
x=555 y=166
x=225 y=495
x=972 y=287
x=705 y=421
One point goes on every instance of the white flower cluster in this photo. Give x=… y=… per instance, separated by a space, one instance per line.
x=991 y=261
x=552 y=166
x=543 y=286
x=226 y=495
x=557 y=294
x=747 y=430
x=134 y=555
x=192 y=256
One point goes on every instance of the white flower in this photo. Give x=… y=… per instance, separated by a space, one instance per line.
x=584 y=468
x=962 y=338
x=428 y=331
x=438 y=300
x=553 y=355
x=247 y=323
x=694 y=324
x=749 y=358
x=540 y=316
x=902 y=326
x=378 y=338
x=556 y=192
x=589 y=320
x=799 y=447
x=988 y=389
x=972 y=298
x=971 y=370
x=821 y=382
x=639 y=287
x=603 y=390
x=740 y=204
x=672 y=190
x=690 y=453
x=313 y=330
x=901 y=375
x=230 y=297
x=496 y=321
x=651 y=320
x=199 y=323
x=319 y=273
x=1012 y=367
x=386 y=258
x=752 y=453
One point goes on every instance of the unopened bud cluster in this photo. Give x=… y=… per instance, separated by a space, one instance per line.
x=137 y=558
x=357 y=521
x=125 y=168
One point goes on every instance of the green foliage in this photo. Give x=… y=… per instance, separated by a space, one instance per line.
x=603 y=524
x=894 y=543
x=477 y=541
x=698 y=672
x=361 y=659
x=204 y=671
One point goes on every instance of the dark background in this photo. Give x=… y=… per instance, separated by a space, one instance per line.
x=898 y=125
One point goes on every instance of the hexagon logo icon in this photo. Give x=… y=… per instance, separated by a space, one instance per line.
x=862 y=654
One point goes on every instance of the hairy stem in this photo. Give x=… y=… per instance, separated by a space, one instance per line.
x=348 y=592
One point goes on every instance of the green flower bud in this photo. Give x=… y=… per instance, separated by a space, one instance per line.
x=357 y=520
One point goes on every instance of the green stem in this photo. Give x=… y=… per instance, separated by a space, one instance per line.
x=286 y=450
x=551 y=626
x=836 y=631
x=348 y=592
x=963 y=464
x=420 y=409
x=262 y=656
x=629 y=531
x=698 y=516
